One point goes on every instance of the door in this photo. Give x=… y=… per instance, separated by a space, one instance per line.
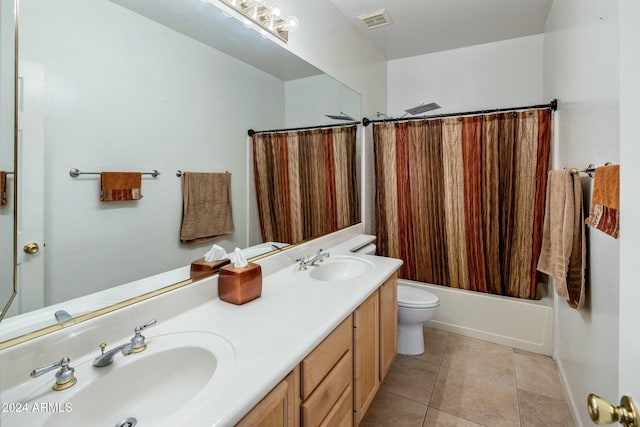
x=629 y=315
x=30 y=188
x=629 y=374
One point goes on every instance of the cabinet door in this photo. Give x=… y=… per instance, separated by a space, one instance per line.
x=366 y=357
x=388 y=324
x=279 y=408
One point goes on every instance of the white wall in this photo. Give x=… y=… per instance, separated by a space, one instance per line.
x=581 y=66
x=501 y=74
x=125 y=93
x=327 y=40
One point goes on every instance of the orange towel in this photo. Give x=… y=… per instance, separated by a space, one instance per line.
x=605 y=203
x=3 y=188
x=116 y=186
x=206 y=206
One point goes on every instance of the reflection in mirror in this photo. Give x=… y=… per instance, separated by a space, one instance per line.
x=132 y=85
x=7 y=177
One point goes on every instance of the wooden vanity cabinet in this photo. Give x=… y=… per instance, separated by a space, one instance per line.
x=279 y=408
x=366 y=356
x=388 y=294
x=375 y=345
x=335 y=384
x=326 y=377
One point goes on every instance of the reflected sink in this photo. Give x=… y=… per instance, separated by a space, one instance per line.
x=340 y=268
x=163 y=385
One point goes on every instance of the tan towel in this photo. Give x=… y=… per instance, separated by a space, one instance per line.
x=563 y=253
x=605 y=203
x=3 y=188
x=206 y=206
x=117 y=186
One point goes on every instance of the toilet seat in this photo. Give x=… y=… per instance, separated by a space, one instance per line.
x=411 y=297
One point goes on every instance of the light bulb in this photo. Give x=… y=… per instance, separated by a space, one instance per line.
x=276 y=10
x=292 y=23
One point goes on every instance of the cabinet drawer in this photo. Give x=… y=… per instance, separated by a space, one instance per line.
x=319 y=404
x=317 y=365
x=341 y=415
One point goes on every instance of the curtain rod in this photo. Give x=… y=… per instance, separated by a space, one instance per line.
x=553 y=105
x=252 y=132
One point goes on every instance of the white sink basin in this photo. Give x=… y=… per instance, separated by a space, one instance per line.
x=163 y=385
x=340 y=268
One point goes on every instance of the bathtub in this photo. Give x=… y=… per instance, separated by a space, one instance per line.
x=515 y=322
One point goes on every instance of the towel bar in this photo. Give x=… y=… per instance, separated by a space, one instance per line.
x=180 y=173
x=589 y=170
x=75 y=172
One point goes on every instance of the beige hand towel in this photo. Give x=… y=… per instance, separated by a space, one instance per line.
x=3 y=188
x=563 y=253
x=206 y=206
x=118 y=186
x=605 y=203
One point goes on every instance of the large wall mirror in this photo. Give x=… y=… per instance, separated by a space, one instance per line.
x=135 y=85
x=7 y=149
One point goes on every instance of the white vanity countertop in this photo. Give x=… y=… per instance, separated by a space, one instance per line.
x=270 y=335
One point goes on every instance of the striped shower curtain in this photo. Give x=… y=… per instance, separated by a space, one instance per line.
x=306 y=182
x=461 y=200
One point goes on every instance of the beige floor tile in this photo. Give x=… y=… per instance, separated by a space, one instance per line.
x=437 y=418
x=391 y=410
x=489 y=400
x=537 y=410
x=434 y=343
x=478 y=357
x=536 y=373
x=412 y=378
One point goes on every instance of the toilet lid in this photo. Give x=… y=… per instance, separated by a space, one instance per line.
x=408 y=296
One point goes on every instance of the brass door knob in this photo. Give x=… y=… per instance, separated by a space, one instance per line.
x=603 y=412
x=31 y=248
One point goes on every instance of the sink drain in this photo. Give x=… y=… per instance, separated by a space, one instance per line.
x=127 y=422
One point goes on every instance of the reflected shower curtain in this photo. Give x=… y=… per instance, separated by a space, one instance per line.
x=461 y=200
x=306 y=182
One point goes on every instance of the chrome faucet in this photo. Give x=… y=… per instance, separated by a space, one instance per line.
x=106 y=359
x=311 y=261
x=135 y=345
x=65 y=377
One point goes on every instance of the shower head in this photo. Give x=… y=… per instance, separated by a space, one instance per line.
x=422 y=108
x=342 y=116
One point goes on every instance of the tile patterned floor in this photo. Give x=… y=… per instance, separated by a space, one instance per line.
x=465 y=382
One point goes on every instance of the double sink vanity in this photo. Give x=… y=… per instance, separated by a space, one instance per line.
x=312 y=350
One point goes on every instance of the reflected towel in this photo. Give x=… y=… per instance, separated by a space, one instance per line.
x=563 y=253
x=3 y=188
x=605 y=203
x=117 y=186
x=206 y=206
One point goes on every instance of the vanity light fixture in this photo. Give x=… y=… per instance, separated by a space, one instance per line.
x=268 y=18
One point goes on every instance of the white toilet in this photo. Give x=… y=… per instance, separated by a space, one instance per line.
x=415 y=306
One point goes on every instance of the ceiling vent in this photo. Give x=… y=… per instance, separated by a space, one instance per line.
x=376 y=19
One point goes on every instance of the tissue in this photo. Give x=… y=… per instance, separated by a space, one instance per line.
x=239 y=261
x=215 y=253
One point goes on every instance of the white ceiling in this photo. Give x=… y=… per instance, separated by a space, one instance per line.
x=424 y=26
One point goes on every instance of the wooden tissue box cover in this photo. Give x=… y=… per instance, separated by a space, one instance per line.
x=200 y=267
x=240 y=285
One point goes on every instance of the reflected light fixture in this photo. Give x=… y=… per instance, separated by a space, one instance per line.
x=267 y=18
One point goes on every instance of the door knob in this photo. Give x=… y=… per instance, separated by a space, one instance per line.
x=603 y=412
x=31 y=248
